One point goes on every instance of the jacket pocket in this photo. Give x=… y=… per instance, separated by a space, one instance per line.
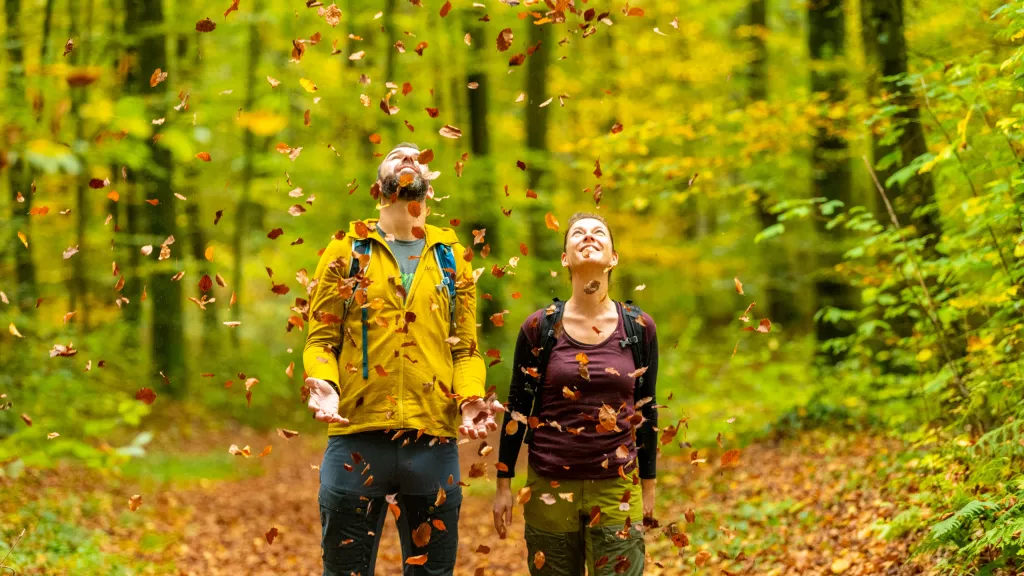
x=349 y=529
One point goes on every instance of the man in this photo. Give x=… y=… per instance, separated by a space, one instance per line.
x=392 y=360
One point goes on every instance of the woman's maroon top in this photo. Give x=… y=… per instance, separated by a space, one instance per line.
x=571 y=443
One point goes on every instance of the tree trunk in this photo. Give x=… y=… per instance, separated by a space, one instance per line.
x=19 y=175
x=167 y=338
x=781 y=306
x=77 y=281
x=248 y=152
x=830 y=165
x=482 y=169
x=544 y=246
x=885 y=50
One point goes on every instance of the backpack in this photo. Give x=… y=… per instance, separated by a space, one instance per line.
x=445 y=258
x=550 y=324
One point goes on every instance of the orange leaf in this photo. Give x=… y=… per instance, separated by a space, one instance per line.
x=438 y=524
x=421 y=535
x=731 y=457
x=550 y=221
x=538 y=559
x=417 y=560
x=380 y=371
x=204 y=156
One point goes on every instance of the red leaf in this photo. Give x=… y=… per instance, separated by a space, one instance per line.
x=146 y=395
x=504 y=40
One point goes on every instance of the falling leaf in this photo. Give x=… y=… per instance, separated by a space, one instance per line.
x=308 y=85
x=296 y=210
x=450 y=132
x=616 y=128
x=23 y=238
x=332 y=15
x=204 y=156
x=68 y=46
x=357 y=55
x=232 y=8
x=134 y=502
x=730 y=457
x=146 y=395
x=417 y=560
x=286 y=434
x=52 y=435
x=205 y=25
x=375 y=139
x=421 y=535
x=523 y=496
x=538 y=560
x=274 y=83
x=504 y=39
x=157 y=77
x=271 y=534
x=27 y=419
x=640 y=287
x=209 y=253
x=445 y=9
x=266 y=451
x=550 y=221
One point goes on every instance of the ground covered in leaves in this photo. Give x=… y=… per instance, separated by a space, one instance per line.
x=812 y=505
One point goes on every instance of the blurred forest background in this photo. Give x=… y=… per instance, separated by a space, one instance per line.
x=857 y=166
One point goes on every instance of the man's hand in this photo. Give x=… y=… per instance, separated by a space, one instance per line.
x=647 y=487
x=503 y=507
x=478 y=417
x=323 y=401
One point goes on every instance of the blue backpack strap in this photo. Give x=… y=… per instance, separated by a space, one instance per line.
x=359 y=246
x=446 y=264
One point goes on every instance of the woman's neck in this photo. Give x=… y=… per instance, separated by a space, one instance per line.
x=590 y=293
x=396 y=220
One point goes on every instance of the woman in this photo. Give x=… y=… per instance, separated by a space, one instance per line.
x=594 y=431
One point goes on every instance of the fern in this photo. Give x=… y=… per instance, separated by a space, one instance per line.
x=1001 y=442
x=951 y=529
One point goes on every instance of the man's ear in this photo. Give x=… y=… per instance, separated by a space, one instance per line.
x=430 y=192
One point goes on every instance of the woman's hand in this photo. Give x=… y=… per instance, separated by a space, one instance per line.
x=323 y=401
x=647 y=486
x=503 y=507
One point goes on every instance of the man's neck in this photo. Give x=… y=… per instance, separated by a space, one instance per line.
x=396 y=220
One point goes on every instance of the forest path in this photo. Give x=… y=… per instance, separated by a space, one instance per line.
x=803 y=506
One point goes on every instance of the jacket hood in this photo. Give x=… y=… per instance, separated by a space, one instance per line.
x=435 y=234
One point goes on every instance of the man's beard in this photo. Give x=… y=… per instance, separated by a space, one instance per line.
x=414 y=191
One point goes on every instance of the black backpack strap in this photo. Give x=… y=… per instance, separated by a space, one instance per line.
x=635 y=335
x=548 y=330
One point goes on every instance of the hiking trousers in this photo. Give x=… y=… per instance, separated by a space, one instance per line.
x=361 y=472
x=584 y=527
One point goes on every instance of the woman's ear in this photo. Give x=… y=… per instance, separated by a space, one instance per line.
x=615 y=259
